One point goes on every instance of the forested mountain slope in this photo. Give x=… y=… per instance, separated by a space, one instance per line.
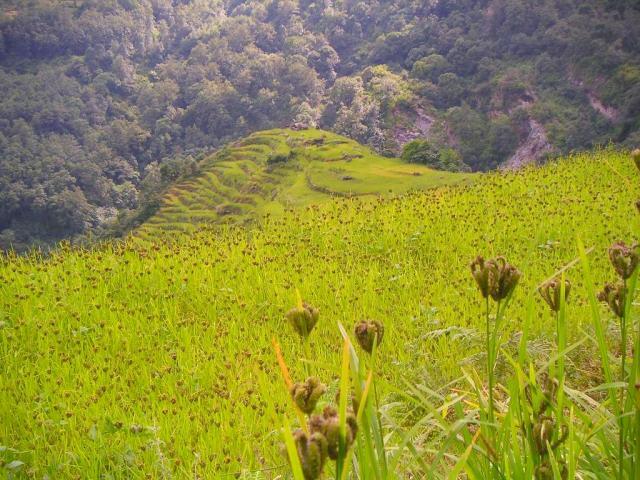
x=106 y=102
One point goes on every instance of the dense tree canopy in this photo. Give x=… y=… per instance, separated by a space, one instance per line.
x=97 y=93
x=426 y=153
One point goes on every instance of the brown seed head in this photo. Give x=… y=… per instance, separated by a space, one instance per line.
x=480 y=274
x=615 y=296
x=312 y=452
x=624 y=259
x=503 y=278
x=549 y=387
x=551 y=292
x=544 y=471
x=543 y=433
x=635 y=155
x=306 y=395
x=303 y=319
x=366 y=333
x=328 y=424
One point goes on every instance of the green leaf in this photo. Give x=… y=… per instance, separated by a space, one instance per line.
x=292 y=452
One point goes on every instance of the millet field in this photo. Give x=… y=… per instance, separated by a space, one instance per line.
x=165 y=359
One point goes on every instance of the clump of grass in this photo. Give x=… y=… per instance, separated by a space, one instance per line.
x=546 y=429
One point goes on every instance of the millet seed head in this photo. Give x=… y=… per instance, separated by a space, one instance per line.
x=366 y=333
x=303 y=319
x=551 y=292
x=543 y=433
x=615 y=296
x=496 y=277
x=503 y=278
x=549 y=388
x=328 y=424
x=306 y=395
x=544 y=471
x=480 y=273
x=312 y=452
x=624 y=259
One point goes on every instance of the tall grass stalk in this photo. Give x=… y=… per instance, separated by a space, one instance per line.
x=490 y=364
x=631 y=403
x=623 y=375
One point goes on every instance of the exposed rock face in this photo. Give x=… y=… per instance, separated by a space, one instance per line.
x=608 y=112
x=420 y=128
x=533 y=149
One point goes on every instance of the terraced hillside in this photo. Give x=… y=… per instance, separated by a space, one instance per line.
x=271 y=171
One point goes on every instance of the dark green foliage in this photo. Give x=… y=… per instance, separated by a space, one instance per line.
x=421 y=151
x=430 y=67
x=426 y=153
x=483 y=142
x=278 y=159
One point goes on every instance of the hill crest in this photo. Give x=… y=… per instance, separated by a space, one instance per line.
x=274 y=170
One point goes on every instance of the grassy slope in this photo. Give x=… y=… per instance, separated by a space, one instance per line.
x=237 y=184
x=134 y=361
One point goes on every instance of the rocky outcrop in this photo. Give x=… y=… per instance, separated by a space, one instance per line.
x=608 y=112
x=533 y=149
x=418 y=127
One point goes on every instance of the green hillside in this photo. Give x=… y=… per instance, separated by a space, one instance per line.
x=140 y=360
x=271 y=171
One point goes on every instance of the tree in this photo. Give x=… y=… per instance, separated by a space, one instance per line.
x=450 y=88
x=430 y=68
x=426 y=153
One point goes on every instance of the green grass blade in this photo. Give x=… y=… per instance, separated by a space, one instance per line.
x=292 y=452
x=596 y=319
x=342 y=409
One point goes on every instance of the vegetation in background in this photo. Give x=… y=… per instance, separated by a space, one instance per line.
x=97 y=93
x=155 y=358
x=425 y=153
